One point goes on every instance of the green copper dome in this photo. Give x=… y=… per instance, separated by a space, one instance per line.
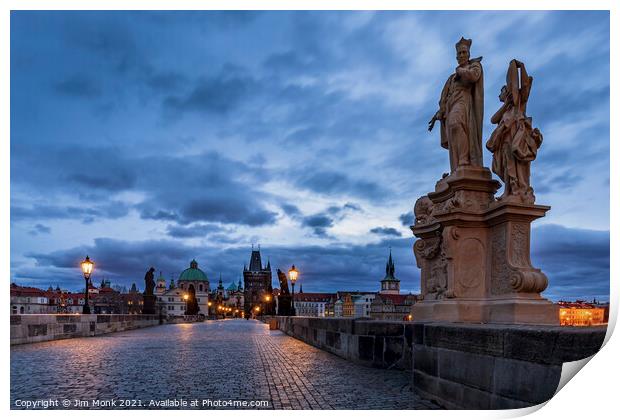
x=193 y=273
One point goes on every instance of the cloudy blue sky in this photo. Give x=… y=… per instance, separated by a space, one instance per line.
x=151 y=138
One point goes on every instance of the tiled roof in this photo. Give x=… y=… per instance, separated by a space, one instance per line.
x=395 y=299
x=314 y=297
x=27 y=291
x=578 y=304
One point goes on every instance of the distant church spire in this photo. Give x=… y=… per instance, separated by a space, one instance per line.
x=390 y=284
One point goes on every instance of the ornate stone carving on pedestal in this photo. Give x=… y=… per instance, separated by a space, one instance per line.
x=474 y=250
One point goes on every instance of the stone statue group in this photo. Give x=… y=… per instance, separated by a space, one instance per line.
x=514 y=142
x=473 y=249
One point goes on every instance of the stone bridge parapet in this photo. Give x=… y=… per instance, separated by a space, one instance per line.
x=34 y=328
x=457 y=365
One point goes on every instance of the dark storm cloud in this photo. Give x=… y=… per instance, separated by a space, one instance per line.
x=212 y=189
x=147 y=213
x=226 y=210
x=344 y=209
x=61 y=168
x=121 y=259
x=291 y=210
x=556 y=104
x=110 y=37
x=111 y=181
x=111 y=210
x=319 y=223
x=576 y=261
x=218 y=18
x=217 y=95
x=39 y=228
x=79 y=85
x=352 y=206
x=337 y=183
x=166 y=82
x=386 y=231
x=406 y=219
x=214 y=208
x=286 y=61
x=194 y=231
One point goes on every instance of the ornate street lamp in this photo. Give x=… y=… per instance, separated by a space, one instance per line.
x=292 y=274
x=87 y=269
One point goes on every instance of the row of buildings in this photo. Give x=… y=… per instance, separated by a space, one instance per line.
x=386 y=304
x=255 y=297
x=102 y=300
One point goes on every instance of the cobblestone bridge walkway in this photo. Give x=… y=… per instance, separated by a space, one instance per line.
x=216 y=360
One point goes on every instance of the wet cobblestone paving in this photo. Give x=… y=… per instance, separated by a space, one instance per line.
x=234 y=360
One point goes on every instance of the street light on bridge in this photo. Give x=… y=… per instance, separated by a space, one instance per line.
x=87 y=269
x=292 y=274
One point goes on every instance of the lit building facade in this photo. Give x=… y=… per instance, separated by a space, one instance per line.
x=355 y=304
x=392 y=307
x=313 y=304
x=582 y=314
x=28 y=300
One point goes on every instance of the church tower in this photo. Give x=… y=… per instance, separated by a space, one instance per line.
x=390 y=285
x=257 y=286
x=160 y=286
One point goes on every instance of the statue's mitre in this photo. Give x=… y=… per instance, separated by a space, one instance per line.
x=463 y=41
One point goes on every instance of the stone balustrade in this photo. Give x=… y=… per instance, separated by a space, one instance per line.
x=33 y=328
x=459 y=366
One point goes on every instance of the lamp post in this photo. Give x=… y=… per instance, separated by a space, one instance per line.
x=292 y=274
x=87 y=269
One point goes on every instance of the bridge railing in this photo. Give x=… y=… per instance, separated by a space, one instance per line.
x=471 y=366
x=33 y=328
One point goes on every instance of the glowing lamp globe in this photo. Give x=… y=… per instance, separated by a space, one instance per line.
x=292 y=273
x=87 y=267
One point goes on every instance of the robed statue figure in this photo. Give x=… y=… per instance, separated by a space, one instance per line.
x=460 y=110
x=149 y=283
x=514 y=142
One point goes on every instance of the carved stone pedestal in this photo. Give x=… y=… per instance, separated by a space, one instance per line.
x=474 y=255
